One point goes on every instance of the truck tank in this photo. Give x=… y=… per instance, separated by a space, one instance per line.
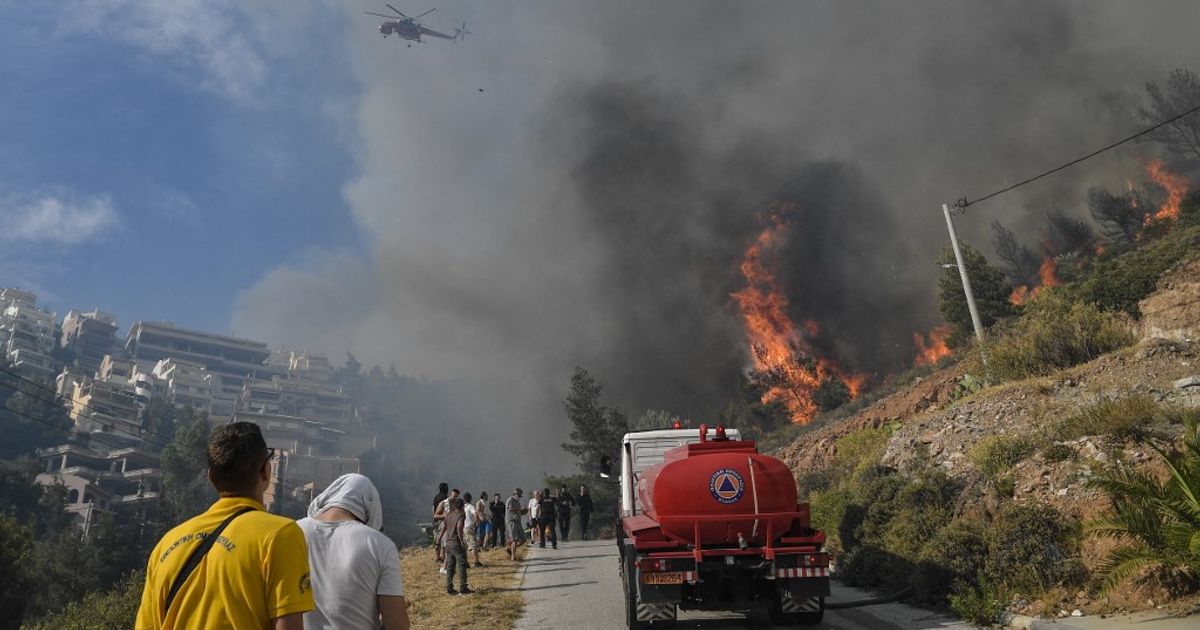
x=724 y=483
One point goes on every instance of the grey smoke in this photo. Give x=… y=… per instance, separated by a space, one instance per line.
x=591 y=205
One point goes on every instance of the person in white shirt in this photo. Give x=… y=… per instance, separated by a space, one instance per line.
x=535 y=506
x=471 y=528
x=355 y=568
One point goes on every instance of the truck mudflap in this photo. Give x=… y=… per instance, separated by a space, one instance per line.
x=651 y=613
x=792 y=604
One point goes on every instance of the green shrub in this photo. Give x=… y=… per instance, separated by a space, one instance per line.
x=923 y=507
x=1118 y=417
x=1054 y=333
x=873 y=566
x=116 y=608
x=959 y=549
x=856 y=451
x=826 y=510
x=1032 y=548
x=980 y=603
x=1058 y=453
x=997 y=454
x=1119 y=282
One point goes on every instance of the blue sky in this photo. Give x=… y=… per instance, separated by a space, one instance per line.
x=196 y=150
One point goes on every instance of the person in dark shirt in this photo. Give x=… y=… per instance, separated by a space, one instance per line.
x=497 y=510
x=455 y=543
x=439 y=499
x=565 y=503
x=585 y=510
x=547 y=511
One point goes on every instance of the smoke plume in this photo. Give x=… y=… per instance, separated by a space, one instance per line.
x=576 y=184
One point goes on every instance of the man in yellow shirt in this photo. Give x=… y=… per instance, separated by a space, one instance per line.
x=255 y=571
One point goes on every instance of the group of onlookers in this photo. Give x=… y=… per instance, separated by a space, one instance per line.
x=237 y=566
x=464 y=527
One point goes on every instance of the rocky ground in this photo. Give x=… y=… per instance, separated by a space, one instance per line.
x=932 y=427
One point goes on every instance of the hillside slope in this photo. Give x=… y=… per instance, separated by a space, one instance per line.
x=926 y=428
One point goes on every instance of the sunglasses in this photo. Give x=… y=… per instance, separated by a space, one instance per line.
x=270 y=454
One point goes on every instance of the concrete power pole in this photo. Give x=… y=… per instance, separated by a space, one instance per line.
x=962 y=272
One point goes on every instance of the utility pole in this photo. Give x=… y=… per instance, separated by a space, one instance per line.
x=962 y=272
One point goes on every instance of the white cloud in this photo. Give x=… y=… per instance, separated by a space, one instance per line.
x=55 y=218
x=202 y=39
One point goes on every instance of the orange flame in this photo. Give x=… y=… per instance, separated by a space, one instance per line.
x=936 y=349
x=1047 y=277
x=1047 y=272
x=778 y=348
x=1176 y=187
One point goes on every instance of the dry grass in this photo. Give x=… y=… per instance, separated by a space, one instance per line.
x=497 y=603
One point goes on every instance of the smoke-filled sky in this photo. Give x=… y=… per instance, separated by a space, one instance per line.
x=575 y=184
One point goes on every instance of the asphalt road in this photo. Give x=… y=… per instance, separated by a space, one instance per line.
x=578 y=587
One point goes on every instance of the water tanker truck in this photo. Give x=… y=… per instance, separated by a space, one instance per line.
x=709 y=523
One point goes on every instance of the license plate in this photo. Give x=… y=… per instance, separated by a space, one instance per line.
x=672 y=577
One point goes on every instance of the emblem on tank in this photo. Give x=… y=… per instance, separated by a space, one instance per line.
x=726 y=486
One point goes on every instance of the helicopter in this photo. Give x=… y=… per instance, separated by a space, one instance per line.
x=410 y=29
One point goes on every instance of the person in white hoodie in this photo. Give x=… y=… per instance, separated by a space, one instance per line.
x=355 y=568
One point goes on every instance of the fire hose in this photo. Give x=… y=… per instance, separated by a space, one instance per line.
x=870 y=601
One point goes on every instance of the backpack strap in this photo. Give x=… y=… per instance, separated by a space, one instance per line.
x=198 y=554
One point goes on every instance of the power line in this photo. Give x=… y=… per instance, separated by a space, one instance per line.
x=963 y=203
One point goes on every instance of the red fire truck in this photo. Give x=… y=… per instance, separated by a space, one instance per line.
x=709 y=523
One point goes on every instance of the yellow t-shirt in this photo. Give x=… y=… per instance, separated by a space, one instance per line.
x=257 y=571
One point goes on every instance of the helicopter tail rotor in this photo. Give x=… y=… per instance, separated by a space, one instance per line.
x=462 y=32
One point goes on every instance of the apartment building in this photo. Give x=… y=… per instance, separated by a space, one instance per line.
x=312 y=400
x=229 y=360
x=110 y=408
x=27 y=333
x=123 y=481
x=89 y=337
x=185 y=384
x=312 y=367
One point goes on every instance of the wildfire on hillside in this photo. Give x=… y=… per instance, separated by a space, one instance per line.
x=1047 y=277
x=1176 y=187
x=785 y=362
x=936 y=349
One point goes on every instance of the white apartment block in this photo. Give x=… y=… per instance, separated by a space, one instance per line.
x=185 y=383
x=27 y=333
x=89 y=336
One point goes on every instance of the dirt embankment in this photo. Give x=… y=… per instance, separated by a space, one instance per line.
x=815 y=450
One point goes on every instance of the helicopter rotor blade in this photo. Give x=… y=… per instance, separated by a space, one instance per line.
x=382 y=15
x=397 y=11
x=426 y=13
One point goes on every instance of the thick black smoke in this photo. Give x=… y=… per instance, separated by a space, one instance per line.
x=590 y=206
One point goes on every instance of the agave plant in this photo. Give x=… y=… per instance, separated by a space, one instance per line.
x=1158 y=521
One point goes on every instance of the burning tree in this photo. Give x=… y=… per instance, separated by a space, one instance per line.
x=1020 y=263
x=787 y=368
x=1120 y=218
